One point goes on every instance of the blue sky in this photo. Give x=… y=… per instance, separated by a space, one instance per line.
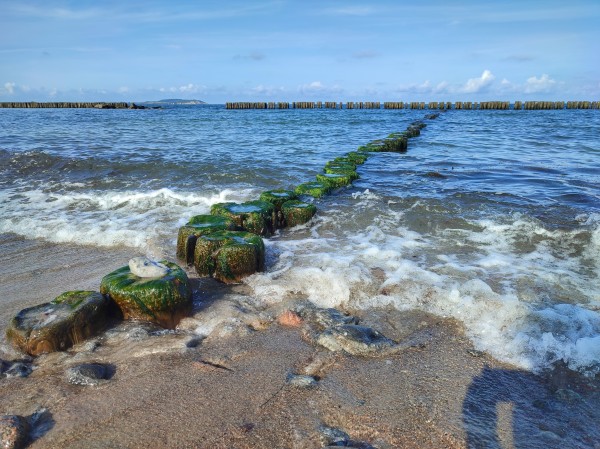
x=267 y=50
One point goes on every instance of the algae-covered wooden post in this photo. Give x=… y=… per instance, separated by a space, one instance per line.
x=163 y=299
x=229 y=256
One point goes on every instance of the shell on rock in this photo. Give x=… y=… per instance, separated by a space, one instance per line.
x=146 y=268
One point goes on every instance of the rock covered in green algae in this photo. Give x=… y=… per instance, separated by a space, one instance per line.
x=413 y=131
x=257 y=217
x=341 y=169
x=163 y=300
x=335 y=180
x=228 y=256
x=57 y=325
x=297 y=212
x=356 y=158
x=197 y=226
x=398 y=144
x=14 y=432
x=341 y=164
x=277 y=198
x=314 y=189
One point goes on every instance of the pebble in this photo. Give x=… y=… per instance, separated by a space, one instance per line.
x=14 y=432
x=354 y=339
x=330 y=436
x=17 y=369
x=302 y=381
x=87 y=374
x=290 y=319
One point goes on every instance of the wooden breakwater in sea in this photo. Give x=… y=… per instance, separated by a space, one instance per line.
x=438 y=105
x=69 y=105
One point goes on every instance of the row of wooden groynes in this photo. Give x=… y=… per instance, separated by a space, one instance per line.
x=462 y=105
x=226 y=244
x=69 y=105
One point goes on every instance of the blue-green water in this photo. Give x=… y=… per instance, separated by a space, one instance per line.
x=491 y=217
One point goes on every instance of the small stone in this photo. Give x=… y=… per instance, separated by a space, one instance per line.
x=146 y=268
x=302 y=381
x=290 y=319
x=17 y=369
x=87 y=374
x=331 y=436
x=354 y=339
x=14 y=432
x=566 y=395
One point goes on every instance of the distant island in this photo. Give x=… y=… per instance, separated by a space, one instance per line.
x=173 y=101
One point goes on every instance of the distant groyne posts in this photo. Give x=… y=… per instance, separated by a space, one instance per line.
x=437 y=105
x=69 y=105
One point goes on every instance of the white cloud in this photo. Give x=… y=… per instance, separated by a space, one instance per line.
x=349 y=11
x=475 y=85
x=189 y=88
x=9 y=88
x=542 y=84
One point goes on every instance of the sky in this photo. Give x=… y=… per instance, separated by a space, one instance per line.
x=284 y=50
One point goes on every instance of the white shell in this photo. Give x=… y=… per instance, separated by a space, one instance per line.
x=146 y=268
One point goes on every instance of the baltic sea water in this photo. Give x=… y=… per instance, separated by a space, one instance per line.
x=491 y=217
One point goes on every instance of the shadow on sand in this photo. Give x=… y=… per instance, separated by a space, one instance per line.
x=507 y=408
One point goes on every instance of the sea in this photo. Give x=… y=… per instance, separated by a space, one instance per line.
x=491 y=217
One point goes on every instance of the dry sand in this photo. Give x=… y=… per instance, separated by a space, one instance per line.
x=172 y=390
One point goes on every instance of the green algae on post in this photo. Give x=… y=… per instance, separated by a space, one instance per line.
x=228 y=256
x=356 y=158
x=341 y=169
x=314 y=189
x=341 y=164
x=297 y=212
x=57 y=325
x=197 y=226
x=257 y=217
x=335 y=180
x=277 y=198
x=163 y=300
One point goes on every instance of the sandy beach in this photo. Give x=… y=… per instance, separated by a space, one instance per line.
x=232 y=390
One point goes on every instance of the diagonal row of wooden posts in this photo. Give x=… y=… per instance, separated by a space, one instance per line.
x=226 y=244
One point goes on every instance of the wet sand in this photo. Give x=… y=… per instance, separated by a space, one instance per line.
x=229 y=390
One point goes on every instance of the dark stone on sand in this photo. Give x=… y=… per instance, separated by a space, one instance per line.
x=354 y=339
x=57 y=325
x=332 y=437
x=88 y=374
x=16 y=369
x=14 y=432
x=162 y=300
x=302 y=381
x=325 y=318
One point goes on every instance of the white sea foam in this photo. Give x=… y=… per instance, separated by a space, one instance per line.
x=526 y=294
x=140 y=219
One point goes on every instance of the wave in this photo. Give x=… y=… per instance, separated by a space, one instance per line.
x=526 y=294
x=138 y=219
